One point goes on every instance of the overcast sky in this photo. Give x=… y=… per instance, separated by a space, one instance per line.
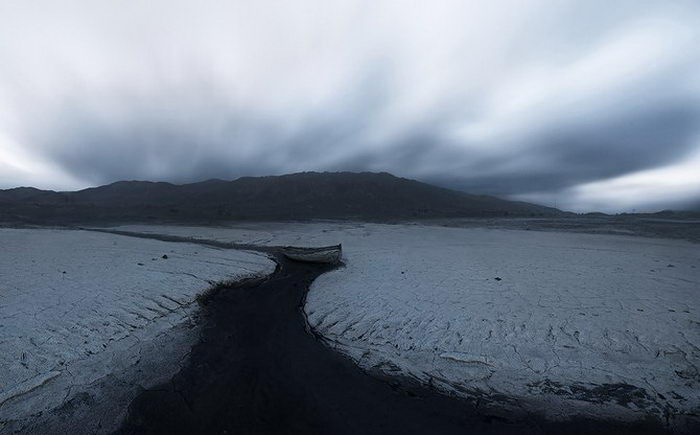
x=587 y=104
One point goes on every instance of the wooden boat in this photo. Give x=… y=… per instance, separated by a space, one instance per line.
x=324 y=254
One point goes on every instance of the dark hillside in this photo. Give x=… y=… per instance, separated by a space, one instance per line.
x=308 y=195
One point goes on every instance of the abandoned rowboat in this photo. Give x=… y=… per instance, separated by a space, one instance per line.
x=325 y=254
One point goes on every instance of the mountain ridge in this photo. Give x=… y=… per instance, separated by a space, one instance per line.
x=299 y=196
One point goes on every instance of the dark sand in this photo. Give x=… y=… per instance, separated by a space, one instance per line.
x=258 y=370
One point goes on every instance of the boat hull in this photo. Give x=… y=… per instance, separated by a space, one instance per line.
x=326 y=254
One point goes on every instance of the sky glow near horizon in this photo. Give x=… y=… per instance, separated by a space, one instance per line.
x=588 y=105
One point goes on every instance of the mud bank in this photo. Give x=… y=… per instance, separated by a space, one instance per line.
x=87 y=320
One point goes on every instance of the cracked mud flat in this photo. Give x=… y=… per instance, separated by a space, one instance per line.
x=567 y=324
x=257 y=369
x=590 y=326
x=87 y=320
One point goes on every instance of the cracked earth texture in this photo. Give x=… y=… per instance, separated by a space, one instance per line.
x=554 y=322
x=87 y=320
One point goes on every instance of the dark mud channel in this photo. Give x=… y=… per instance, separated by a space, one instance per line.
x=258 y=370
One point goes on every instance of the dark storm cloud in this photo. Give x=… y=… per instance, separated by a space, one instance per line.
x=542 y=102
x=155 y=143
x=570 y=155
x=197 y=134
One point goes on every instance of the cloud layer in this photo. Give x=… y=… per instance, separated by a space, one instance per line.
x=543 y=102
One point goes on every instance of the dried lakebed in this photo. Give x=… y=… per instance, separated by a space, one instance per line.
x=258 y=369
x=575 y=325
x=87 y=320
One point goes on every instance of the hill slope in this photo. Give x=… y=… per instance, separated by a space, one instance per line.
x=308 y=195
